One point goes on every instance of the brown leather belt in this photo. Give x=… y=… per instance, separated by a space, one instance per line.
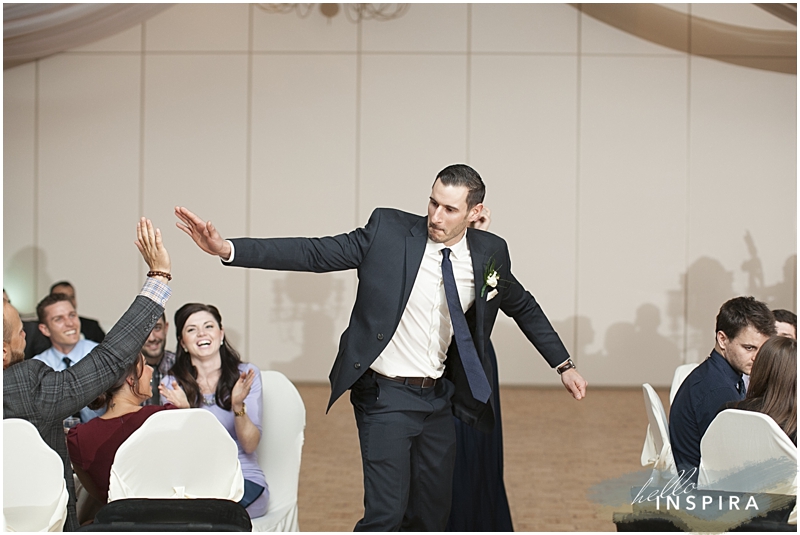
x=424 y=382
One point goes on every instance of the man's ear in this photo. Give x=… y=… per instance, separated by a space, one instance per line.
x=44 y=330
x=722 y=340
x=474 y=212
x=6 y=355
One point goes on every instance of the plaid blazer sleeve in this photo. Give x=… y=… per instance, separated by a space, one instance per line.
x=34 y=391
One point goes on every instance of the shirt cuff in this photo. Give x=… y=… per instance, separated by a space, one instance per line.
x=157 y=291
x=233 y=253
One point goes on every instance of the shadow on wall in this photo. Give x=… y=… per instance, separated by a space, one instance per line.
x=18 y=279
x=707 y=285
x=637 y=352
x=305 y=308
x=704 y=286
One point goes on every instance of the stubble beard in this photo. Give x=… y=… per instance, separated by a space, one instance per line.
x=158 y=356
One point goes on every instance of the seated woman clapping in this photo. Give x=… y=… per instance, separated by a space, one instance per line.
x=92 y=445
x=773 y=384
x=209 y=374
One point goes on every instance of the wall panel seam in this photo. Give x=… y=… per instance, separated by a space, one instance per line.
x=36 y=252
x=248 y=174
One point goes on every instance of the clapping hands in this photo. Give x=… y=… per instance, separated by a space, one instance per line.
x=176 y=396
x=241 y=389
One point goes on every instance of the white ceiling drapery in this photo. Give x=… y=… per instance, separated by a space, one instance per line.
x=33 y=31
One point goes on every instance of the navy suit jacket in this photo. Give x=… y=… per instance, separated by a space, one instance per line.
x=387 y=253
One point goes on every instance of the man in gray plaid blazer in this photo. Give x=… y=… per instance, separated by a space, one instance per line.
x=35 y=392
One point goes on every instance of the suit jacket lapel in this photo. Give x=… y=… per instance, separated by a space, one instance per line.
x=479 y=261
x=415 y=248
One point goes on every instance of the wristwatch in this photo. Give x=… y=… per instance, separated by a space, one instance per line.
x=569 y=365
x=244 y=410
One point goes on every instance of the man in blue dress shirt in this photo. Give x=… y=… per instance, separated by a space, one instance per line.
x=743 y=325
x=59 y=321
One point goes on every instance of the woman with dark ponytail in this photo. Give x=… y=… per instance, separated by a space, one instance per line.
x=92 y=445
x=209 y=374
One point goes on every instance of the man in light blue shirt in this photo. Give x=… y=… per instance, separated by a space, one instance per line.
x=59 y=321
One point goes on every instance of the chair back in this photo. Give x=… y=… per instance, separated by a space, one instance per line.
x=657 y=451
x=283 y=421
x=34 y=491
x=139 y=514
x=184 y=453
x=746 y=451
x=681 y=373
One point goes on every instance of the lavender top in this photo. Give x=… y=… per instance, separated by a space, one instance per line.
x=249 y=461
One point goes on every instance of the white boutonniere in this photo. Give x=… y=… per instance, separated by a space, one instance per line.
x=491 y=278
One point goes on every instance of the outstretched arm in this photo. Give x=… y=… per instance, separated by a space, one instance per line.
x=204 y=234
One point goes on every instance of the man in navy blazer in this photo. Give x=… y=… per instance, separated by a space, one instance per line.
x=405 y=375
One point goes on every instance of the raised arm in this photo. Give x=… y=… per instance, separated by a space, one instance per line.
x=60 y=394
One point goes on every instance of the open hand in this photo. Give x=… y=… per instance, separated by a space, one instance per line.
x=574 y=383
x=148 y=241
x=176 y=396
x=203 y=233
x=242 y=389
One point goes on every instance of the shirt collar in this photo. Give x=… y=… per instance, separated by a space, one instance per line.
x=458 y=250
x=724 y=366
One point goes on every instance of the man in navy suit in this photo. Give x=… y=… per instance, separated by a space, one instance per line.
x=404 y=357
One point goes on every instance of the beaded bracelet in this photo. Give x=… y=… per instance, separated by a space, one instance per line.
x=159 y=274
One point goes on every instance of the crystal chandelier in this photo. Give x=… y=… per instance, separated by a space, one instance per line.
x=353 y=12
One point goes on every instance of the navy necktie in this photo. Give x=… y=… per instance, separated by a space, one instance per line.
x=740 y=387
x=68 y=363
x=476 y=377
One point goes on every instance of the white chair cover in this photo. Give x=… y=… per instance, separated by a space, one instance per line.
x=657 y=451
x=196 y=458
x=279 y=451
x=34 y=491
x=745 y=451
x=681 y=373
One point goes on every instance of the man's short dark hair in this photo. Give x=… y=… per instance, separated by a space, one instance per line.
x=785 y=316
x=61 y=283
x=737 y=313
x=51 y=299
x=464 y=175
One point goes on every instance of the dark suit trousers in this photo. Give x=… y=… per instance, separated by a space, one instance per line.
x=408 y=452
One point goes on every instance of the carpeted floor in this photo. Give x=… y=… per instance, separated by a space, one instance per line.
x=562 y=458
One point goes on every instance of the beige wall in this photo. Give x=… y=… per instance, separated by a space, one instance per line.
x=627 y=177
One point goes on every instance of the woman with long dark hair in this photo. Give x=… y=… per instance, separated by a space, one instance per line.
x=93 y=445
x=209 y=374
x=773 y=384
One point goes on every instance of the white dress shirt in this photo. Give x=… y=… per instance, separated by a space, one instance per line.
x=419 y=345
x=55 y=358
